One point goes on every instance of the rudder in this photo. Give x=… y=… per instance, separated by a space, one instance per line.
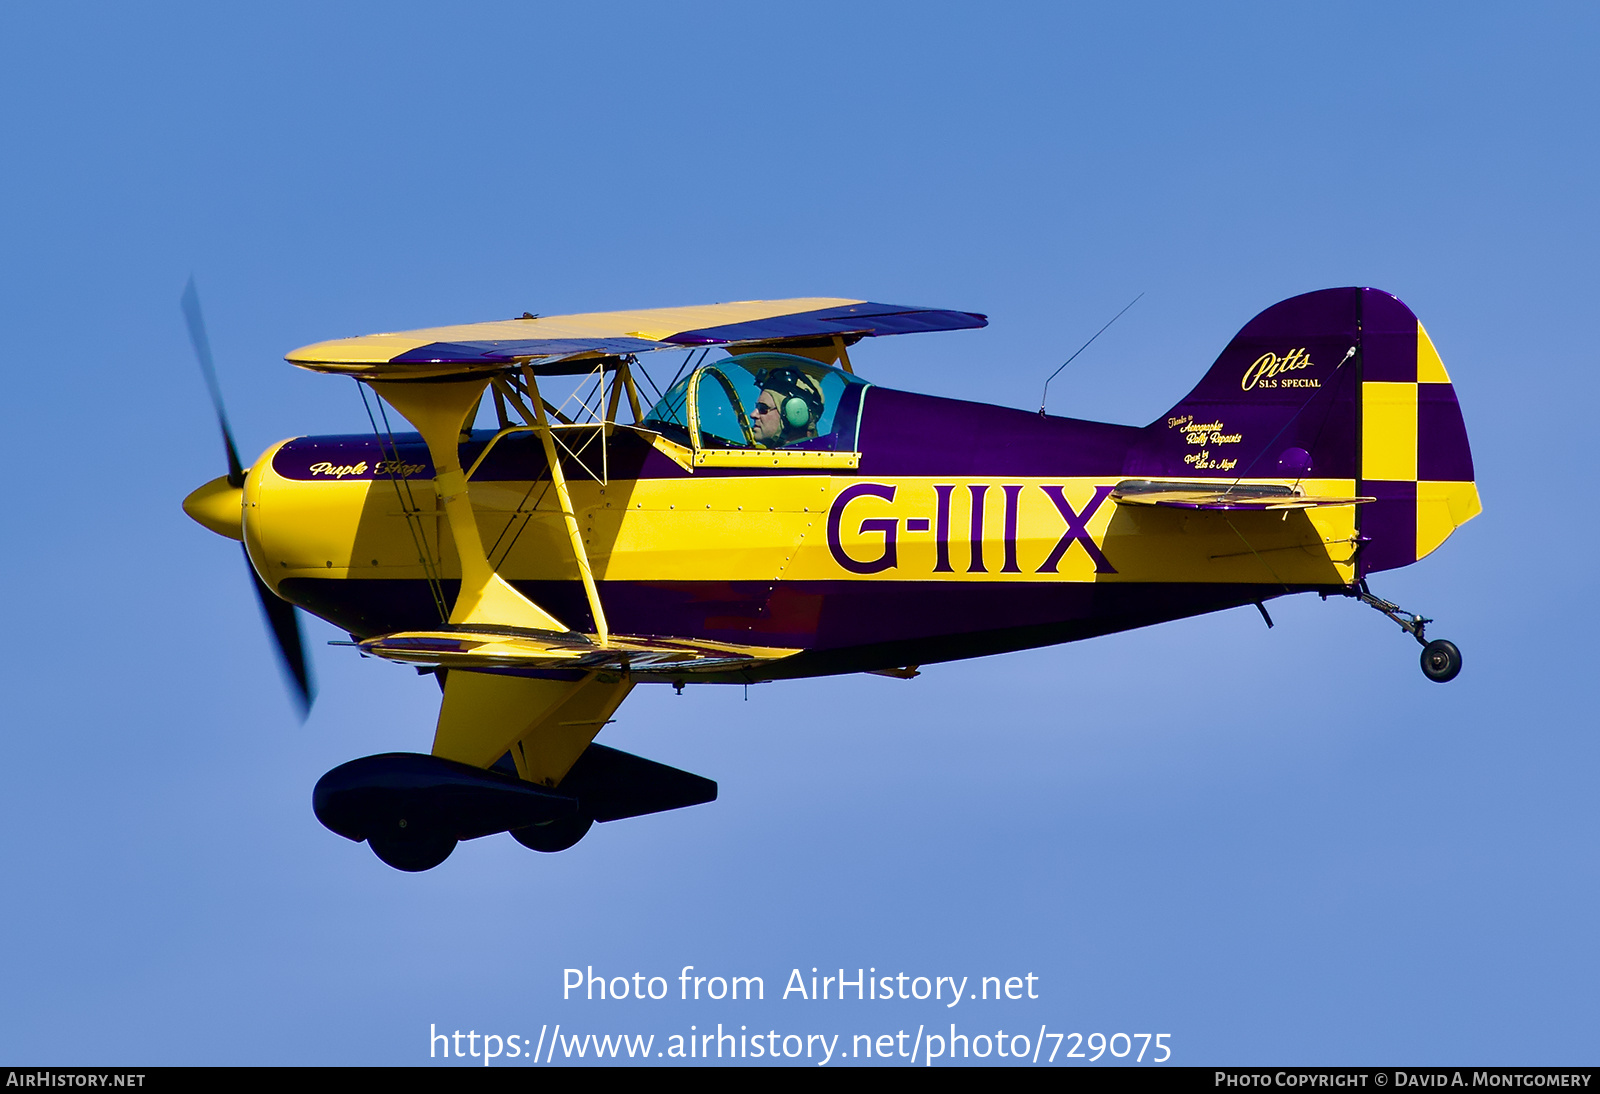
x=1415 y=458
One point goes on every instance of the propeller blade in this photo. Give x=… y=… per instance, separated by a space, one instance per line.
x=285 y=624
x=279 y=613
x=202 y=350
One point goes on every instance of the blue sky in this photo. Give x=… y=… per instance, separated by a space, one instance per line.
x=1277 y=847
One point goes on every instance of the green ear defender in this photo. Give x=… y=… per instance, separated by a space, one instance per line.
x=796 y=413
x=799 y=398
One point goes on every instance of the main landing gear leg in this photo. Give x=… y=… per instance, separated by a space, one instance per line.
x=1441 y=661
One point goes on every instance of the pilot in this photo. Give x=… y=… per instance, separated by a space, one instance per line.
x=788 y=409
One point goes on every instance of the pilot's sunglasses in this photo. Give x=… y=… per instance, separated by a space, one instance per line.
x=764 y=408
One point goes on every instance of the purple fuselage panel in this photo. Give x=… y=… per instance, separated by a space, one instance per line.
x=517 y=457
x=353 y=456
x=908 y=434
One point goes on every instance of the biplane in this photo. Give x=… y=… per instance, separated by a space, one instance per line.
x=767 y=513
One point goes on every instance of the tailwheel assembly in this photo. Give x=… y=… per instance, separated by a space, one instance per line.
x=1441 y=660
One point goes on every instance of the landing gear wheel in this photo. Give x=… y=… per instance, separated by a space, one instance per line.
x=556 y=835
x=412 y=851
x=1441 y=661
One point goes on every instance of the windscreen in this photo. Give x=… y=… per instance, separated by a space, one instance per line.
x=762 y=401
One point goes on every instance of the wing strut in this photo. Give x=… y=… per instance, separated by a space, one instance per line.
x=564 y=497
x=438 y=410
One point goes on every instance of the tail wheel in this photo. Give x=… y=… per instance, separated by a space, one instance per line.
x=1441 y=661
x=556 y=835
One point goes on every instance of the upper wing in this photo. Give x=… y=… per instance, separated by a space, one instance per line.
x=1188 y=495
x=487 y=346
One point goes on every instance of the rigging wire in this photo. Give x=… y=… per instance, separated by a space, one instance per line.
x=413 y=514
x=1045 y=394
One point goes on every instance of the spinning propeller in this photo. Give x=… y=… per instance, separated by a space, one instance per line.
x=279 y=613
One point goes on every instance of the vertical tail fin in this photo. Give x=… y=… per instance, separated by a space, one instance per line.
x=1344 y=385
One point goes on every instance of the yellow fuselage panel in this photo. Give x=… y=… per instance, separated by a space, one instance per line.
x=772 y=528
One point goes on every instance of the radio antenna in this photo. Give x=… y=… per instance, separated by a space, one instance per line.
x=1045 y=394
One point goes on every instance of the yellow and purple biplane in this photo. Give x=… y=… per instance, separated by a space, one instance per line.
x=768 y=514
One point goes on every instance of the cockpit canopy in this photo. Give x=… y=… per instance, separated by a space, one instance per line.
x=762 y=401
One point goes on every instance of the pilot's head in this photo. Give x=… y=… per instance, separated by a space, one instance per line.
x=788 y=408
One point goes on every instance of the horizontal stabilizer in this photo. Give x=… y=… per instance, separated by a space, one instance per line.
x=480 y=647
x=1266 y=497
